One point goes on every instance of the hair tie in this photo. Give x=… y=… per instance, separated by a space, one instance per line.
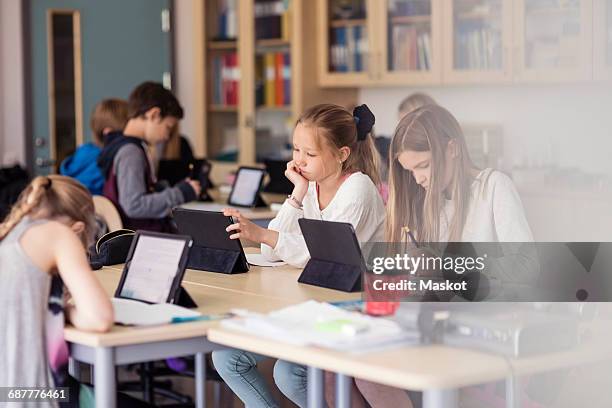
x=364 y=121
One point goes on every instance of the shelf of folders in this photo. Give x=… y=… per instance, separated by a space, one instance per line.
x=273 y=79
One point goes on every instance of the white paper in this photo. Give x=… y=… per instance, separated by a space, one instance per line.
x=133 y=312
x=298 y=324
x=259 y=260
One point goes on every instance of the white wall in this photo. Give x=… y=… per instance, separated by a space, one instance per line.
x=570 y=125
x=12 y=101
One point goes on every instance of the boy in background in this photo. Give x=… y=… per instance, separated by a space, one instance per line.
x=153 y=112
x=108 y=116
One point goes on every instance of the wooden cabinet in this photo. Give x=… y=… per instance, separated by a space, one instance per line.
x=435 y=42
x=602 y=39
x=256 y=72
x=553 y=40
x=410 y=41
x=478 y=41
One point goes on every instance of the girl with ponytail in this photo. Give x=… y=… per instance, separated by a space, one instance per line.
x=43 y=245
x=335 y=176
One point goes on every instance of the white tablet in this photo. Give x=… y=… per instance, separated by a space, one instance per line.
x=154 y=268
x=246 y=187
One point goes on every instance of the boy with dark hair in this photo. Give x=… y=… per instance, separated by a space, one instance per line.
x=153 y=112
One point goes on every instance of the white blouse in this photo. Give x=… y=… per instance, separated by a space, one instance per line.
x=357 y=202
x=495 y=213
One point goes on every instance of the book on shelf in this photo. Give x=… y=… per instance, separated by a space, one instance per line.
x=227 y=24
x=273 y=80
x=478 y=47
x=225 y=77
x=411 y=49
x=271 y=20
x=348 y=48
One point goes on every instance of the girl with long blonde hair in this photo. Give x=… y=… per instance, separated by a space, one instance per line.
x=438 y=193
x=43 y=261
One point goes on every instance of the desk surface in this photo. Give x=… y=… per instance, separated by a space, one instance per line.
x=416 y=367
x=278 y=282
x=261 y=289
x=209 y=299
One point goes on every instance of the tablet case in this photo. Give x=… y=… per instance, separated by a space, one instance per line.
x=178 y=294
x=335 y=256
x=212 y=250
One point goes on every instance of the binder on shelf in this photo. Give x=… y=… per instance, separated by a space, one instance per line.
x=278 y=79
x=287 y=79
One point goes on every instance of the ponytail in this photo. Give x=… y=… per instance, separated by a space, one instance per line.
x=53 y=197
x=28 y=200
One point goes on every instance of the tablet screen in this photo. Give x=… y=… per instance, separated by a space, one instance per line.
x=246 y=187
x=153 y=268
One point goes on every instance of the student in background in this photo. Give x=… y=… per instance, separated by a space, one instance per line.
x=109 y=115
x=38 y=274
x=413 y=102
x=153 y=113
x=176 y=148
x=334 y=171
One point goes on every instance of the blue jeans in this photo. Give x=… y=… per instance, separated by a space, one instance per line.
x=238 y=368
x=292 y=380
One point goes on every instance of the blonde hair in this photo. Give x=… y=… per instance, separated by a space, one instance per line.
x=429 y=128
x=54 y=196
x=337 y=127
x=172 y=148
x=109 y=113
x=413 y=102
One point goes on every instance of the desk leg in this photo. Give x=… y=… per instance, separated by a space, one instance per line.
x=105 y=387
x=316 y=388
x=513 y=394
x=343 y=391
x=440 y=398
x=200 y=380
x=74 y=369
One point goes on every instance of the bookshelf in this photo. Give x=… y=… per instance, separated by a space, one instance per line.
x=602 y=40
x=345 y=37
x=255 y=73
x=554 y=40
x=478 y=41
x=411 y=42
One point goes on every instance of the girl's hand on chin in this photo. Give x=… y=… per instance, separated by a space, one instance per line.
x=294 y=175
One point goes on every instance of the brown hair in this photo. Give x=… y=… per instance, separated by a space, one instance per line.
x=109 y=113
x=150 y=95
x=338 y=128
x=172 y=148
x=415 y=101
x=54 y=196
x=429 y=128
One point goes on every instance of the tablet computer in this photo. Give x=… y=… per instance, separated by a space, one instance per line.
x=154 y=268
x=246 y=187
x=213 y=250
x=336 y=260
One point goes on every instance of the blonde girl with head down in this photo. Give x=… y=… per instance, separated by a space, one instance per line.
x=43 y=262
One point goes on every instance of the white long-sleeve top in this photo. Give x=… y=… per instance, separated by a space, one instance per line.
x=495 y=213
x=357 y=202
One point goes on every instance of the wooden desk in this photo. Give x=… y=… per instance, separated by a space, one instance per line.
x=251 y=213
x=436 y=370
x=126 y=345
x=276 y=283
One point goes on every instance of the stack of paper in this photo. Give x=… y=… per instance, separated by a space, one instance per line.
x=133 y=312
x=324 y=325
